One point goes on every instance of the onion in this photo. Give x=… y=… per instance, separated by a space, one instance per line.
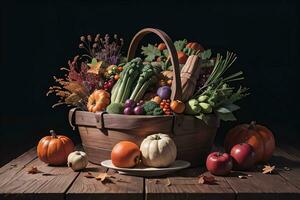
x=129 y=103
x=164 y=92
x=138 y=110
x=128 y=111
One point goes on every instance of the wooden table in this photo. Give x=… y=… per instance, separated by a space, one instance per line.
x=63 y=183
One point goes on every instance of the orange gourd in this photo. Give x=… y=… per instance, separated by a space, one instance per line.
x=98 y=101
x=156 y=99
x=162 y=46
x=194 y=45
x=54 y=149
x=177 y=106
x=258 y=136
x=182 y=57
x=125 y=154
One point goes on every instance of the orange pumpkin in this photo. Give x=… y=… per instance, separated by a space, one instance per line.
x=182 y=57
x=177 y=106
x=194 y=45
x=54 y=149
x=125 y=154
x=162 y=46
x=156 y=99
x=258 y=136
x=98 y=101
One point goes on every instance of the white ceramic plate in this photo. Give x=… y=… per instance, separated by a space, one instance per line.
x=148 y=171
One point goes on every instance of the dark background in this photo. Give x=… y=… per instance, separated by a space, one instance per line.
x=39 y=37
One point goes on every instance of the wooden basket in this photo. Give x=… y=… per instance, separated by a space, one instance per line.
x=99 y=132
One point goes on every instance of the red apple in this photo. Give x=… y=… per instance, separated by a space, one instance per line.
x=219 y=163
x=243 y=156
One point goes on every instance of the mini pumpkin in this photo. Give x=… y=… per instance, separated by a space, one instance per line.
x=54 y=149
x=258 y=136
x=158 y=150
x=177 y=106
x=98 y=101
x=77 y=160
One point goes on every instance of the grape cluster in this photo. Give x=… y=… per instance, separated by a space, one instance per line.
x=108 y=85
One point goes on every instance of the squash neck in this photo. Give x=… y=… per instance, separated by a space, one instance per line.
x=252 y=125
x=53 y=134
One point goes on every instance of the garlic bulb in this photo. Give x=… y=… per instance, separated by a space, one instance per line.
x=77 y=160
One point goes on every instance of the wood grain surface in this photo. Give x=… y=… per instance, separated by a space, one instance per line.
x=63 y=183
x=119 y=187
x=184 y=185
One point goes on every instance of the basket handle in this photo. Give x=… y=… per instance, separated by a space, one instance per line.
x=176 y=83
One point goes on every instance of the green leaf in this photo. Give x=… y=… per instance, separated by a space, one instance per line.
x=226 y=116
x=180 y=44
x=94 y=61
x=166 y=52
x=205 y=118
x=232 y=107
x=205 y=55
x=223 y=110
x=227 y=108
x=150 y=52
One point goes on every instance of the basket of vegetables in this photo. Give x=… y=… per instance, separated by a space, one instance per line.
x=179 y=89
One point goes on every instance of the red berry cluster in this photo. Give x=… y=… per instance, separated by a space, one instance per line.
x=165 y=106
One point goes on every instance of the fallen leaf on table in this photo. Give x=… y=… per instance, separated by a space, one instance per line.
x=13 y=165
x=89 y=175
x=206 y=179
x=168 y=183
x=268 y=169
x=33 y=170
x=286 y=169
x=103 y=177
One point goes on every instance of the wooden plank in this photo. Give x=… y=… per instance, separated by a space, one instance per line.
x=53 y=185
x=121 y=187
x=184 y=185
x=13 y=167
x=263 y=186
x=288 y=165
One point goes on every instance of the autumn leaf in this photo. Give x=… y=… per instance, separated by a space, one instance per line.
x=206 y=179
x=89 y=175
x=268 y=169
x=95 y=66
x=104 y=177
x=33 y=170
x=168 y=182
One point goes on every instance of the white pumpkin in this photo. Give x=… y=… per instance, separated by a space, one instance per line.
x=158 y=150
x=77 y=160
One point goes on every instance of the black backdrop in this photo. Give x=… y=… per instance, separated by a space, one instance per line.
x=39 y=37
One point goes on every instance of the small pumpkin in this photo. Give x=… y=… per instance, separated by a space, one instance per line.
x=156 y=99
x=182 y=57
x=77 y=160
x=258 y=136
x=177 y=106
x=162 y=46
x=98 y=101
x=54 y=149
x=158 y=150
